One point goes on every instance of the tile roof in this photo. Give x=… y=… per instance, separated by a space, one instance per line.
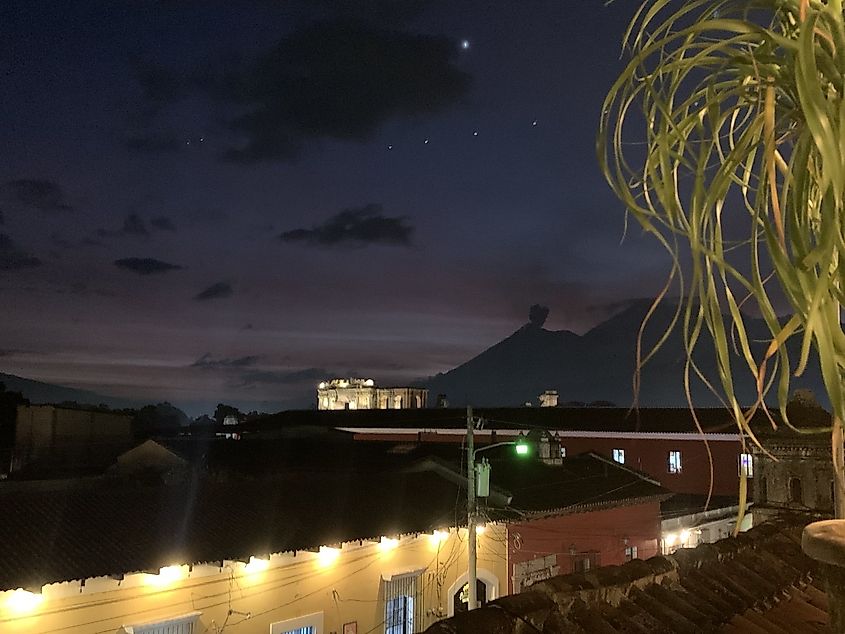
x=758 y=582
x=581 y=482
x=68 y=530
x=110 y=528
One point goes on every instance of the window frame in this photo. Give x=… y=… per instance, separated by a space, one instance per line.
x=616 y=454
x=746 y=465
x=674 y=467
x=314 y=620
x=164 y=625
x=403 y=587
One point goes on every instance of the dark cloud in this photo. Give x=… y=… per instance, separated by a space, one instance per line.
x=163 y=223
x=36 y=195
x=133 y=225
x=146 y=266
x=2 y=218
x=14 y=259
x=215 y=291
x=339 y=79
x=248 y=327
x=355 y=227
x=91 y=242
x=209 y=362
x=306 y=375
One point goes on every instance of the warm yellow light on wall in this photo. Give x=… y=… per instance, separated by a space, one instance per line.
x=438 y=537
x=684 y=536
x=479 y=530
x=256 y=564
x=387 y=544
x=165 y=576
x=327 y=556
x=22 y=601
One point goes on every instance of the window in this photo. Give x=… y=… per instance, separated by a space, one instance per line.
x=630 y=553
x=399 y=615
x=796 y=493
x=461 y=599
x=586 y=561
x=308 y=624
x=400 y=604
x=746 y=465
x=179 y=625
x=674 y=462
x=562 y=451
x=619 y=455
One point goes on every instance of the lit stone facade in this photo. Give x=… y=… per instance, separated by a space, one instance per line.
x=800 y=478
x=343 y=394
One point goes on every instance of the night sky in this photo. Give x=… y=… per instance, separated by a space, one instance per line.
x=207 y=201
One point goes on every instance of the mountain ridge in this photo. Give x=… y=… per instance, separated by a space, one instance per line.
x=599 y=366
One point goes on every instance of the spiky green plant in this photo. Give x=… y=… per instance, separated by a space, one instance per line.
x=725 y=138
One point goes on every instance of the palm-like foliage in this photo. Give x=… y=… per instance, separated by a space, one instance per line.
x=742 y=169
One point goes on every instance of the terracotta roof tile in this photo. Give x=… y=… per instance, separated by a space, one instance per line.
x=759 y=582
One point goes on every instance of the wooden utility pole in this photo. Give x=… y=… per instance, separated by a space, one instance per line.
x=472 y=563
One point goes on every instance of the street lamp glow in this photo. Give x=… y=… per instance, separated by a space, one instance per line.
x=328 y=556
x=256 y=564
x=522 y=448
x=438 y=537
x=387 y=544
x=22 y=601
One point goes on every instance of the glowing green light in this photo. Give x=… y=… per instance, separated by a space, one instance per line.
x=522 y=448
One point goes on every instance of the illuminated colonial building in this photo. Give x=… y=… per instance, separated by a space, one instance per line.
x=339 y=394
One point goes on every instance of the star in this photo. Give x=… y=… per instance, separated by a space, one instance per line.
x=475 y=133
x=534 y=123
x=465 y=44
x=389 y=147
x=426 y=141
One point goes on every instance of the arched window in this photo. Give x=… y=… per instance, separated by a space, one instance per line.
x=458 y=593
x=796 y=492
x=460 y=600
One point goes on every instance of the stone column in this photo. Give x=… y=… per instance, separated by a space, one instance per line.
x=825 y=542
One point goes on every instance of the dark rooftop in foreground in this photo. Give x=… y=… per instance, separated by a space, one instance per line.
x=70 y=530
x=758 y=582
